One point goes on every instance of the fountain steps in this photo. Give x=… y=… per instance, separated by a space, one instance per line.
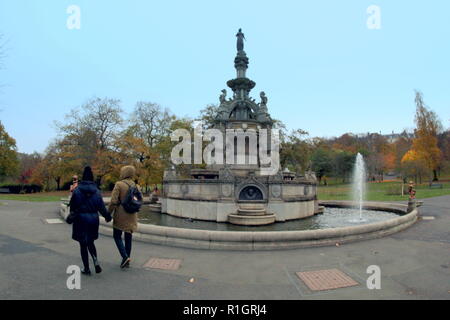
x=251 y=220
x=251 y=214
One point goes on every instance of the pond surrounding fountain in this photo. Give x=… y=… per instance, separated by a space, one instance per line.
x=331 y=218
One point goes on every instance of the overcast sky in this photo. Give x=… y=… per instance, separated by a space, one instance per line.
x=322 y=68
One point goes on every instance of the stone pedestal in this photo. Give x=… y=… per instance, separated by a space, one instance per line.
x=411 y=205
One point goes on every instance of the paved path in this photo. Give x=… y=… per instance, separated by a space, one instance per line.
x=34 y=255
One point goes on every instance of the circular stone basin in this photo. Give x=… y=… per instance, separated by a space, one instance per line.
x=331 y=218
x=339 y=223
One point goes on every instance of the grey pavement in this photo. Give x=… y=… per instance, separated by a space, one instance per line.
x=34 y=256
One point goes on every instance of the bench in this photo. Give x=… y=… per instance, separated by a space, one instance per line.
x=436 y=186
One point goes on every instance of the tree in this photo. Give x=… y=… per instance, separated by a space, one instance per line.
x=400 y=147
x=322 y=162
x=28 y=163
x=150 y=122
x=425 y=143
x=413 y=165
x=347 y=142
x=343 y=163
x=90 y=132
x=295 y=151
x=100 y=117
x=377 y=154
x=208 y=115
x=444 y=146
x=9 y=162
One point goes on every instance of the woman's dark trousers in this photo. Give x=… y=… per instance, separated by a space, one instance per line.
x=84 y=249
x=125 y=251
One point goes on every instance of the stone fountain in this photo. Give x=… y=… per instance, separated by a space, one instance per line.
x=254 y=193
x=241 y=192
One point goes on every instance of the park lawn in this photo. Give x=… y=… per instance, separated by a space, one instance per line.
x=28 y=197
x=53 y=196
x=377 y=191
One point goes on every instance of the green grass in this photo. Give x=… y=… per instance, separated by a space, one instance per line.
x=377 y=191
x=35 y=197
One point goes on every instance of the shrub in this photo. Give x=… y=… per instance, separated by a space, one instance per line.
x=18 y=188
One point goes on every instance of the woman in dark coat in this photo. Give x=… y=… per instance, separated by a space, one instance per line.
x=85 y=204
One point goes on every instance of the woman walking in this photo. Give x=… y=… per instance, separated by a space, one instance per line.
x=85 y=204
x=123 y=222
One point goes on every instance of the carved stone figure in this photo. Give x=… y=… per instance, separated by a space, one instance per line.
x=223 y=96
x=263 y=98
x=240 y=40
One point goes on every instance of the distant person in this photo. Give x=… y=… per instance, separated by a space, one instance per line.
x=126 y=199
x=85 y=204
x=155 y=195
x=74 y=184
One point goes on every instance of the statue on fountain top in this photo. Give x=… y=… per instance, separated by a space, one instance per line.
x=240 y=40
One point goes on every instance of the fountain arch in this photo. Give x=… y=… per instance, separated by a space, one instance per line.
x=251 y=193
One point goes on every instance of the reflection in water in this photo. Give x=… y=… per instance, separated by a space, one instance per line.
x=331 y=218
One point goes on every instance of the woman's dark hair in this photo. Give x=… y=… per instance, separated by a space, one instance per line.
x=87 y=174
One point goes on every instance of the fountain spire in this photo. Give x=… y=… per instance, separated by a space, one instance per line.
x=241 y=85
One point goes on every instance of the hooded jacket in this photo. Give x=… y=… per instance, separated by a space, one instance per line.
x=85 y=205
x=122 y=220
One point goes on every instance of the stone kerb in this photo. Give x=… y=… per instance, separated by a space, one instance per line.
x=269 y=240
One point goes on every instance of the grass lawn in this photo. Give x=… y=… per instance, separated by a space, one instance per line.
x=378 y=191
x=41 y=197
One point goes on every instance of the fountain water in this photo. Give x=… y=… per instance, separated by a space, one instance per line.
x=359 y=182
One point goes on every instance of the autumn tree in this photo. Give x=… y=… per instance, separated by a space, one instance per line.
x=425 y=143
x=91 y=131
x=378 y=155
x=28 y=163
x=347 y=142
x=399 y=148
x=9 y=162
x=413 y=165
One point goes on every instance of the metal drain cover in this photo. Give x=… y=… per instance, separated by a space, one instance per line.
x=162 y=263
x=318 y=280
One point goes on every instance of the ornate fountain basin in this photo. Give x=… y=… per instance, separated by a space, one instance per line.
x=271 y=240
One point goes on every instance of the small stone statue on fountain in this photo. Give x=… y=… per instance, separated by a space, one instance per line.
x=223 y=96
